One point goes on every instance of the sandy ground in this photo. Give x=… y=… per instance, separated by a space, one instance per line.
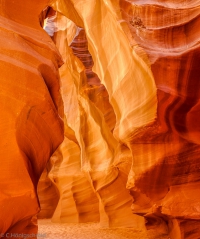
x=49 y=230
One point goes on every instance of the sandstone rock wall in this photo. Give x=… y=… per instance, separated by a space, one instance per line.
x=30 y=125
x=130 y=104
x=165 y=168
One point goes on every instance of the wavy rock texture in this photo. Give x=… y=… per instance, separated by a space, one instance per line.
x=100 y=151
x=164 y=176
x=130 y=93
x=31 y=128
x=145 y=53
x=86 y=182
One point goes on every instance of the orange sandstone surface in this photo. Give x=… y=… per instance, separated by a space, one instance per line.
x=100 y=118
x=31 y=128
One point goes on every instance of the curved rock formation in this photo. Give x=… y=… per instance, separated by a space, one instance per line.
x=30 y=126
x=96 y=91
x=88 y=140
x=156 y=114
x=91 y=131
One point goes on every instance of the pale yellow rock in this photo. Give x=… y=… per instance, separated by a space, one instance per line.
x=85 y=128
x=119 y=68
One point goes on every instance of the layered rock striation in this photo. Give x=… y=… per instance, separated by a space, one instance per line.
x=164 y=177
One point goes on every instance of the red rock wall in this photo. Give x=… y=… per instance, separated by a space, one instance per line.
x=166 y=153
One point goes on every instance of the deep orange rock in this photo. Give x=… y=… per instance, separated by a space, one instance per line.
x=30 y=126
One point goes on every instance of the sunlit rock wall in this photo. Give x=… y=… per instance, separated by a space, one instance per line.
x=30 y=125
x=144 y=59
x=96 y=91
x=84 y=168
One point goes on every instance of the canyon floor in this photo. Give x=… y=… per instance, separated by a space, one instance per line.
x=49 y=230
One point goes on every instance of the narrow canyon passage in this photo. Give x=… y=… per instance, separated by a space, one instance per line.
x=100 y=119
x=49 y=230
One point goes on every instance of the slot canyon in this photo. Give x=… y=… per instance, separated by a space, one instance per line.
x=99 y=110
